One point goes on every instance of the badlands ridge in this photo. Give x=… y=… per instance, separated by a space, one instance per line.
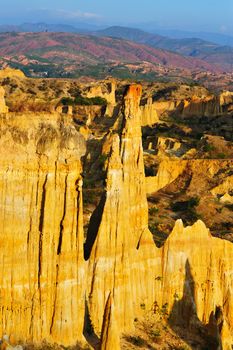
x=80 y=258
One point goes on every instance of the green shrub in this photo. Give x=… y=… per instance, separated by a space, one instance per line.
x=221 y=156
x=98 y=101
x=83 y=101
x=67 y=101
x=142 y=306
x=208 y=148
x=138 y=341
x=153 y=228
x=162 y=312
x=153 y=210
x=193 y=202
x=93 y=101
x=186 y=205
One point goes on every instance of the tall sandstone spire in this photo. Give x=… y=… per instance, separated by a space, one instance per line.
x=116 y=264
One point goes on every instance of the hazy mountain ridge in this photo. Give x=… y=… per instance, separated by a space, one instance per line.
x=194 y=47
x=217 y=38
x=43 y=27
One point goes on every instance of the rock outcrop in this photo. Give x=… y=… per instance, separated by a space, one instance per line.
x=208 y=106
x=168 y=146
x=105 y=90
x=166 y=107
x=189 y=277
x=11 y=73
x=194 y=106
x=226 y=100
x=226 y=198
x=194 y=280
x=225 y=187
x=149 y=115
x=170 y=169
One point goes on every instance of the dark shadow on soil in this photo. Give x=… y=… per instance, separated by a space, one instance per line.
x=186 y=324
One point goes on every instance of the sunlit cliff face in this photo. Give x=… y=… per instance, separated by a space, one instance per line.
x=54 y=282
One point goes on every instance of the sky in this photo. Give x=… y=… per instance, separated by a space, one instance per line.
x=192 y=15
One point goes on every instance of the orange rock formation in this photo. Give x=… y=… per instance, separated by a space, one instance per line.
x=115 y=264
x=44 y=279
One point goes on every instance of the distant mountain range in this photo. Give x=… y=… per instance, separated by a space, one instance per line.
x=217 y=38
x=212 y=53
x=194 y=47
x=82 y=27
x=119 y=52
x=43 y=27
x=91 y=49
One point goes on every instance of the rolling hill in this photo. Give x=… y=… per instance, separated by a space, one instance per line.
x=69 y=47
x=191 y=47
x=66 y=54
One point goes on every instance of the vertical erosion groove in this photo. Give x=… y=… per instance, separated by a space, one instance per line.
x=55 y=300
x=41 y=225
x=62 y=220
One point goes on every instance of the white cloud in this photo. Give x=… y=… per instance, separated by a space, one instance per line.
x=78 y=14
x=64 y=14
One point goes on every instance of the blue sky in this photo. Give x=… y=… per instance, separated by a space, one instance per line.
x=194 y=15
